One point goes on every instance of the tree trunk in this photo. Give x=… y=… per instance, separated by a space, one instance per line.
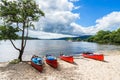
x=20 y=55
x=22 y=44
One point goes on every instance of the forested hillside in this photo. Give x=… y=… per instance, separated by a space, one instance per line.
x=106 y=37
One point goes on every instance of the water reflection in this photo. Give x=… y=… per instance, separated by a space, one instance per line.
x=55 y=47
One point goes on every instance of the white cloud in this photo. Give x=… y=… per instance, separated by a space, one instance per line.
x=55 y=5
x=58 y=16
x=77 y=29
x=77 y=7
x=108 y=22
x=47 y=35
x=74 y=0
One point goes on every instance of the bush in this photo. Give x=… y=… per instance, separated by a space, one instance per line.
x=15 y=61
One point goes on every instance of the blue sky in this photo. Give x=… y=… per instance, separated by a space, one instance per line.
x=91 y=10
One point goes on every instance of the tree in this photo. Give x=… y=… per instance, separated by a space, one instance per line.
x=101 y=36
x=18 y=16
x=69 y=39
x=78 y=39
x=106 y=37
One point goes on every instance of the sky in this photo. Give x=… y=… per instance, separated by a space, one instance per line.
x=68 y=18
x=91 y=10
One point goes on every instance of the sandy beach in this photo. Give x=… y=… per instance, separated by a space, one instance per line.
x=82 y=69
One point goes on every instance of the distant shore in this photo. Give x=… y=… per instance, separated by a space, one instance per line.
x=82 y=69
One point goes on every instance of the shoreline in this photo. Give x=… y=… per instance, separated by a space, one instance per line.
x=83 y=69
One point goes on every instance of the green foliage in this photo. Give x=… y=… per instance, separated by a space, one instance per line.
x=18 y=16
x=8 y=32
x=20 y=11
x=74 y=39
x=78 y=39
x=106 y=37
x=91 y=39
x=15 y=61
x=70 y=39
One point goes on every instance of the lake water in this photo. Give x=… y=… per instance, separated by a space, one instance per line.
x=54 y=47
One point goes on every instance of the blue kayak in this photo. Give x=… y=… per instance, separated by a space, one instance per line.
x=51 y=58
x=37 y=60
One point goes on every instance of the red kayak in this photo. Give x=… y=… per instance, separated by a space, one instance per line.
x=99 y=57
x=52 y=61
x=37 y=63
x=69 y=59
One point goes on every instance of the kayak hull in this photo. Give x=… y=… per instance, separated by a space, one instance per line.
x=67 y=58
x=37 y=63
x=37 y=67
x=99 y=57
x=52 y=63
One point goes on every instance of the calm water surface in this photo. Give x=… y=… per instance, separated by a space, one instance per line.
x=55 y=47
